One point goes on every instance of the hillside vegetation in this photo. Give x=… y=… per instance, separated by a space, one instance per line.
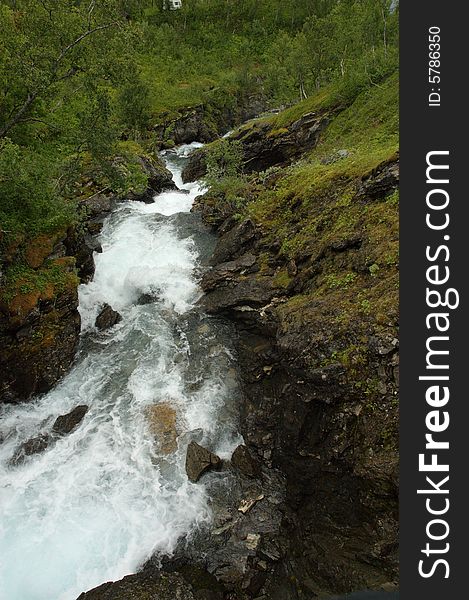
x=77 y=77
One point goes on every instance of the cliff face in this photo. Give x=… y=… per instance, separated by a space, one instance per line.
x=307 y=268
x=205 y=122
x=39 y=321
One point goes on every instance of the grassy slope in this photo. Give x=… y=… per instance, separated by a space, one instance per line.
x=310 y=209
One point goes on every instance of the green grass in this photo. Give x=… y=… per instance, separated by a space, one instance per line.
x=319 y=195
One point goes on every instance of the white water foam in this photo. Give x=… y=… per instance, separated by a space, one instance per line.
x=101 y=500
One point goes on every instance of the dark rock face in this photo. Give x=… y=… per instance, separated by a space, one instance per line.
x=265 y=147
x=107 y=318
x=65 y=424
x=159 y=178
x=149 y=585
x=199 y=460
x=244 y=462
x=205 y=123
x=37 y=348
x=306 y=417
x=82 y=244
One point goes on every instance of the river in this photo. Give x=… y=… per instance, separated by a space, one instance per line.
x=101 y=500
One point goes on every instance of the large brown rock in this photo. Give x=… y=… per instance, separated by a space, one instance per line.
x=162 y=424
x=159 y=178
x=199 y=460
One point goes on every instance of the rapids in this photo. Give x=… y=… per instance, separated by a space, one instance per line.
x=101 y=500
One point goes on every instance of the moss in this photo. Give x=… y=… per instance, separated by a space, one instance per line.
x=277 y=132
x=282 y=279
x=325 y=99
x=24 y=287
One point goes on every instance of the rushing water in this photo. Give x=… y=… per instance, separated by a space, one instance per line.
x=99 y=501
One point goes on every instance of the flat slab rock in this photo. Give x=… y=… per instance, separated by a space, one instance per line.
x=199 y=460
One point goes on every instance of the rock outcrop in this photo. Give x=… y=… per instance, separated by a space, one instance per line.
x=39 y=328
x=159 y=177
x=107 y=318
x=264 y=145
x=204 y=123
x=199 y=460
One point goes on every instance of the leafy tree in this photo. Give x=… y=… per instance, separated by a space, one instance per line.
x=134 y=105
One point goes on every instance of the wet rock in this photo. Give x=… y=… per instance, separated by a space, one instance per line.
x=147 y=298
x=99 y=205
x=82 y=245
x=196 y=167
x=107 y=318
x=234 y=242
x=162 y=423
x=159 y=177
x=241 y=294
x=199 y=460
x=243 y=461
x=225 y=271
x=147 y=585
x=33 y=446
x=65 y=424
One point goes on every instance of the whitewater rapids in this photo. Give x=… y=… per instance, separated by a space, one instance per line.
x=98 y=502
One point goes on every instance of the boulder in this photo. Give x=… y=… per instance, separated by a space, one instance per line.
x=67 y=423
x=107 y=318
x=35 y=445
x=199 y=460
x=159 y=177
x=243 y=461
x=162 y=423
